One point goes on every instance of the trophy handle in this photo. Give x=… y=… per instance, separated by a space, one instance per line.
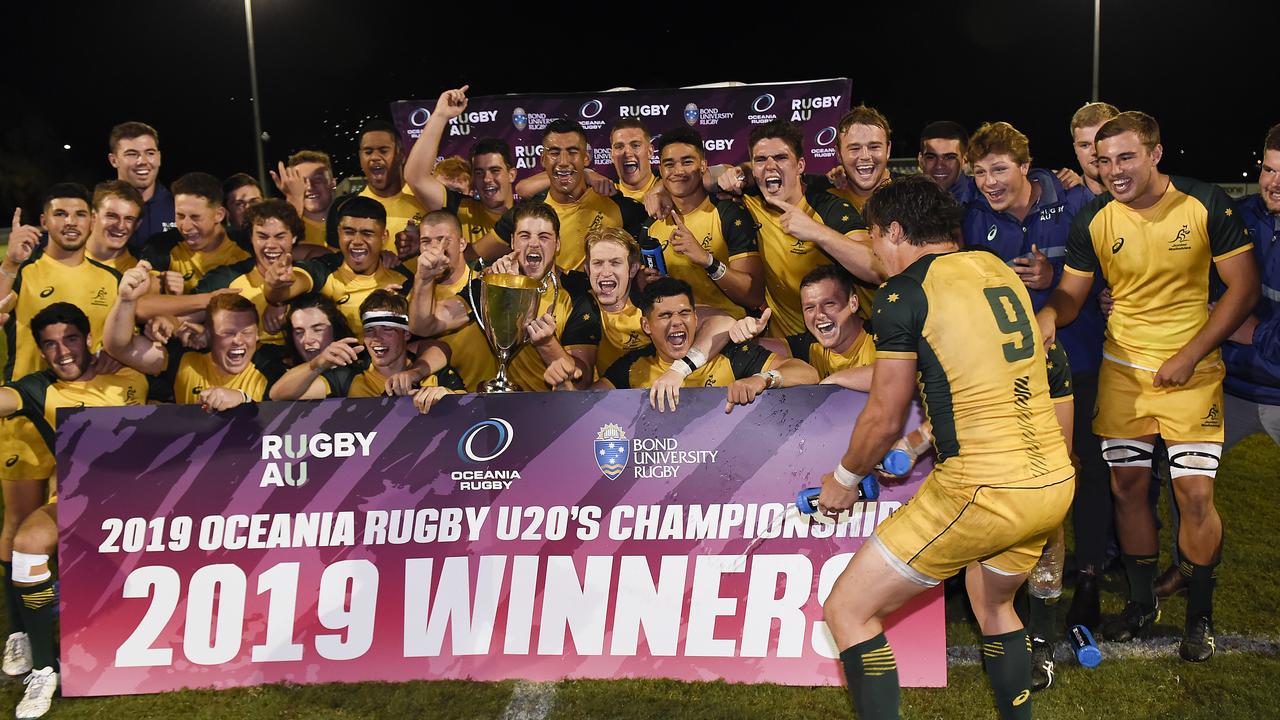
x=555 y=289
x=471 y=295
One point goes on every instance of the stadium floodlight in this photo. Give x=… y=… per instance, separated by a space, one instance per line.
x=258 y=135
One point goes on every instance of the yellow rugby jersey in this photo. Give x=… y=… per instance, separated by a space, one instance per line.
x=120 y=263
x=577 y=325
x=622 y=334
x=638 y=195
x=363 y=380
x=401 y=208
x=470 y=354
x=246 y=277
x=804 y=346
x=168 y=251
x=334 y=279
x=472 y=215
x=723 y=229
x=787 y=260
x=592 y=210
x=195 y=371
x=41 y=282
x=313 y=232
x=641 y=368
x=1156 y=262
x=966 y=319
x=42 y=393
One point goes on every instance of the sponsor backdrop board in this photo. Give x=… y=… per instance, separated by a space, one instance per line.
x=723 y=116
x=538 y=536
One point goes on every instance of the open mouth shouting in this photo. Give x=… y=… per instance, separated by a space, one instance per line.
x=772 y=182
x=864 y=172
x=378 y=350
x=678 y=339
x=236 y=358
x=825 y=330
x=533 y=263
x=1120 y=184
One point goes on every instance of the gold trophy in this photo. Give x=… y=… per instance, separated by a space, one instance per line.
x=507 y=304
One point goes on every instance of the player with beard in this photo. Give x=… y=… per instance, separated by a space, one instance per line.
x=343 y=369
x=1084 y=126
x=59 y=272
x=801 y=224
x=578 y=207
x=198 y=242
x=669 y=318
x=381 y=160
x=348 y=277
x=133 y=149
x=62 y=333
x=708 y=243
x=492 y=172
x=954 y=326
x=863 y=142
x=570 y=329
x=274 y=228
x=1154 y=238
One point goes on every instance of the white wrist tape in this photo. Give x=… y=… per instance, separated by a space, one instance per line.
x=846 y=478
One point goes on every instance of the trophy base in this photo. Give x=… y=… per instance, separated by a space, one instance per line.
x=499 y=385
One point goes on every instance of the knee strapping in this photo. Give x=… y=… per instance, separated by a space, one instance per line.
x=1127 y=453
x=23 y=563
x=1194 y=459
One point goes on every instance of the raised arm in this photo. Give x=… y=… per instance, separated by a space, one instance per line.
x=119 y=339
x=421 y=164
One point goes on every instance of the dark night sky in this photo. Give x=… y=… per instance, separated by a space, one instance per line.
x=1201 y=68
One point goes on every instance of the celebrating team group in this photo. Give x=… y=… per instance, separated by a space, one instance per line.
x=1064 y=334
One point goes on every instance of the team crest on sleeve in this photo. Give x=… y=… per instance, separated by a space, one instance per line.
x=612 y=450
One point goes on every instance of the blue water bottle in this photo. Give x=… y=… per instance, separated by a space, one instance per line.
x=651 y=254
x=897 y=463
x=1087 y=651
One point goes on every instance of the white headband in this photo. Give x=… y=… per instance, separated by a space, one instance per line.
x=385 y=318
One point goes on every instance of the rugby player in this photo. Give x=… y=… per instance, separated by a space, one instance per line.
x=236 y=369
x=613 y=260
x=198 y=242
x=239 y=192
x=1252 y=353
x=801 y=226
x=1154 y=238
x=863 y=142
x=492 y=172
x=570 y=329
x=58 y=272
x=313 y=323
x=941 y=158
x=133 y=149
x=1084 y=126
x=116 y=205
x=961 y=322
x=343 y=369
x=669 y=319
x=347 y=278
x=454 y=172
x=708 y=243
x=835 y=341
x=631 y=151
x=275 y=227
x=62 y=333
x=381 y=158
x=578 y=207
x=307 y=183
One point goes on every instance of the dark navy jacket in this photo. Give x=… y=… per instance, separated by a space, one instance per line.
x=1046 y=226
x=1253 y=371
x=157 y=216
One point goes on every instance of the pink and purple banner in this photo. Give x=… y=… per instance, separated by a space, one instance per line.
x=534 y=536
x=723 y=115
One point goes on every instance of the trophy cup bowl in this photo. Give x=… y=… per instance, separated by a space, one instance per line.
x=507 y=304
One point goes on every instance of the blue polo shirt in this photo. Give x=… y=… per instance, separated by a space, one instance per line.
x=964 y=189
x=157 y=216
x=1253 y=371
x=1046 y=226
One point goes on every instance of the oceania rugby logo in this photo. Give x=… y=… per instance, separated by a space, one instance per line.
x=826 y=136
x=419 y=117
x=763 y=103
x=612 y=450
x=519 y=118
x=467 y=449
x=691 y=114
x=590 y=109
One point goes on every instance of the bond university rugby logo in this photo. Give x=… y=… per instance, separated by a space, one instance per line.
x=519 y=118
x=612 y=450
x=691 y=114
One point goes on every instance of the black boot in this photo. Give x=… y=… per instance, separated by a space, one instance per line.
x=1085 y=607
